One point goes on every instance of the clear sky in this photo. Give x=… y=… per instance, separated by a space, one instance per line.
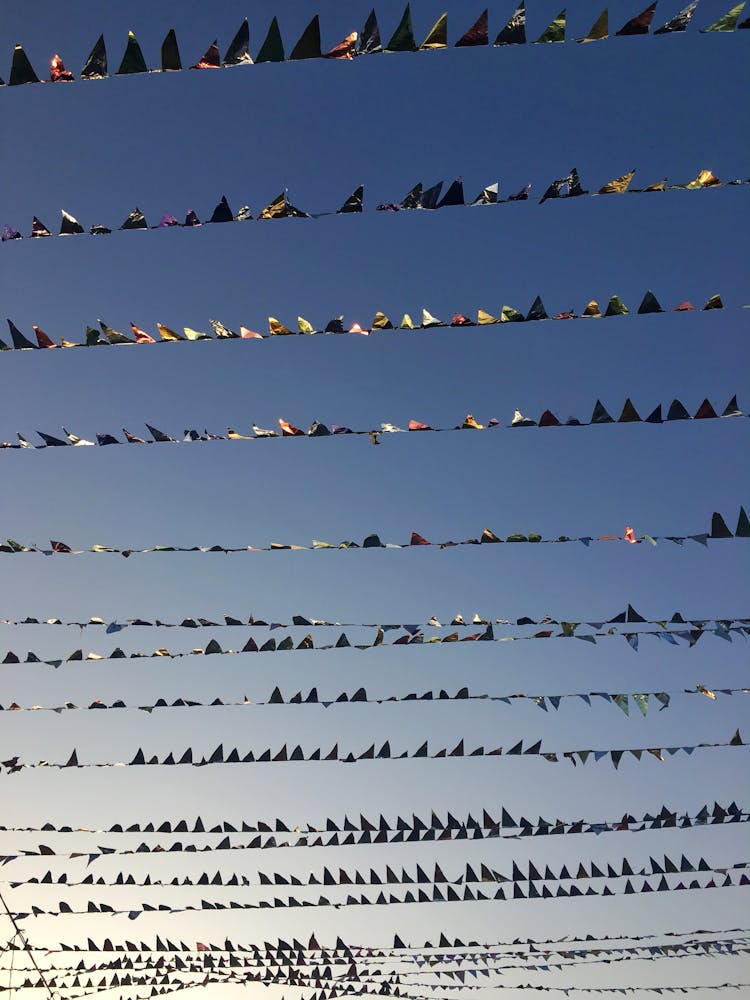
x=669 y=106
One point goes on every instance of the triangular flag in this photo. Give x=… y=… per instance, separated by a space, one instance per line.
x=345 y=48
x=132 y=60
x=680 y=21
x=136 y=220
x=478 y=33
x=170 y=53
x=272 y=49
x=238 y=53
x=370 y=41
x=650 y=304
x=308 y=47
x=599 y=29
x=619 y=185
x=402 y=39
x=437 y=37
x=354 y=203
x=728 y=22
x=210 y=58
x=21 y=70
x=514 y=32
x=57 y=71
x=640 y=24
x=96 y=64
x=554 y=32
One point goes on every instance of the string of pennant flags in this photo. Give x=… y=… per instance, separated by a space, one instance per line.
x=622 y=701
x=438 y=895
x=719 y=530
x=479 y=872
x=491 y=825
x=107 y=335
x=354 y=44
x=629 y=616
x=418 y=198
x=14 y=764
x=599 y=416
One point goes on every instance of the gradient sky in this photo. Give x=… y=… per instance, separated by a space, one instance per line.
x=669 y=106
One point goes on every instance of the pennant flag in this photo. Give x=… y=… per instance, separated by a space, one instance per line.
x=141 y=337
x=166 y=334
x=402 y=39
x=210 y=58
x=57 y=71
x=272 y=49
x=680 y=21
x=308 y=47
x=370 y=41
x=96 y=64
x=222 y=212
x=354 y=203
x=728 y=22
x=478 y=33
x=21 y=70
x=514 y=32
x=38 y=229
x=345 y=49
x=488 y=195
x=650 y=304
x=114 y=336
x=170 y=53
x=136 y=220
x=640 y=24
x=619 y=185
x=238 y=53
x=69 y=226
x=20 y=343
x=554 y=32
x=454 y=195
x=42 y=339
x=437 y=37
x=599 y=29
x=616 y=307
x=132 y=60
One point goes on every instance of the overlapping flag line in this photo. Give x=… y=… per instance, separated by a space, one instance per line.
x=599 y=416
x=719 y=530
x=295 y=963
x=418 y=198
x=367 y=42
x=628 y=616
x=730 y=878
x=494 y=824
x=615 y=307
x=337 y=755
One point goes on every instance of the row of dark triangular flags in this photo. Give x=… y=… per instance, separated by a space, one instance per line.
x=412 y=637
x=418 y=198
x=354 y=44
x=719 y=530
x=448 y=895
x=501 y=820
x=335 y=755
x=599 y=415
x=629 y=616
x=473 y=874
x=621 y=700
x=615 y=307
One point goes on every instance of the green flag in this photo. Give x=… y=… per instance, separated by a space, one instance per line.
x=555 y=32
x=728 y=22
x=403 y=37
x=132 y=61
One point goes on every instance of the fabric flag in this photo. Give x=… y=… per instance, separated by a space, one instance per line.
x=514 y=32
x=42 y=339
x=141 y=337
x=437 y=37
x=345 y=48
x=38 y=229
x=402 y=39
x=238 y=53
x=20 y=342
x=619 y=185
x=599 y=29
x=166 y=334
x=57 y=71
x=370 y=42
x=21 y=70
x=488 y=195
x=680 y=21
x=308 y=47
x=554 y=32
x=114 y=336
x=136 y=220
x=728 y=22
x=96 y=64
x=650 y=304
x=640 y=24
x=354 y=203
x=222 y=212
x=170 y=53
x=132 y=60
x=272 y=49
x=478 y=33
x=210 y=58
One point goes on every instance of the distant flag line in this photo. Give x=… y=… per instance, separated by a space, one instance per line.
x=356 y=43
x=107 y=335
x=676 y=411
x=418 y=198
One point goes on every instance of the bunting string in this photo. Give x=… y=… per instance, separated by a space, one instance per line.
x=417 y=198
x=434 y=827
x=600 y=416
x=485 y=874
x=450 y=895
x=543 y=701
x=719 y=530
x=14 y=764
x=412 y=637
x=107 y=335
x=354 y=44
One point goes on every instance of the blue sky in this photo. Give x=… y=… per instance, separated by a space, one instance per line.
x=669 y=106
